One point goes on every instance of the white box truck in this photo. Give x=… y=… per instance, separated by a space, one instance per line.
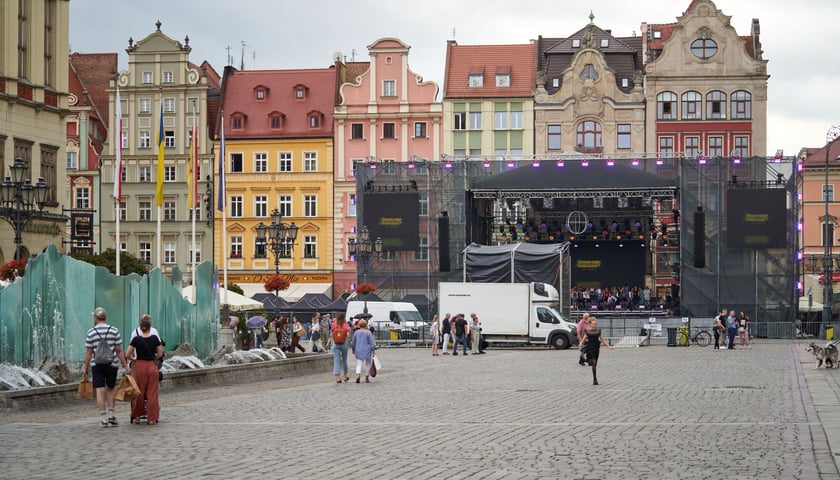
x=510 y=312
x=401 y=317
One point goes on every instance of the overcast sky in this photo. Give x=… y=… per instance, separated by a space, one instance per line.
x=799 y=38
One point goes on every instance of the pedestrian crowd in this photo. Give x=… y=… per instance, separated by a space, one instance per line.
x=727 y=327
x=462 y=333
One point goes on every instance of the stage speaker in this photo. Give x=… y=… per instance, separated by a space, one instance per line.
x=699 y=238
x=443 y=241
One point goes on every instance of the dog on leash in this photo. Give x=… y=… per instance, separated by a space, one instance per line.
x=828 y=355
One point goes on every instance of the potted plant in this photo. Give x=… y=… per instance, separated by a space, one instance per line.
x=365 y=288
x=12 y=269
x=276 y=283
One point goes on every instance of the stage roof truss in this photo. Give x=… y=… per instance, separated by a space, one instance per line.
x=528 y=194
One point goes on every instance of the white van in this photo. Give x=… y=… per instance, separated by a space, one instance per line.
x=387 y=316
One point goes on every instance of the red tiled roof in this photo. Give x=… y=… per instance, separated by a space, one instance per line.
x=815 y=156
x=462 y=60
x=238 y=96
x=354 y=69
x=94 y=71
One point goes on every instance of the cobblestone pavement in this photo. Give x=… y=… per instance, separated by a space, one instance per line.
x=659 y=412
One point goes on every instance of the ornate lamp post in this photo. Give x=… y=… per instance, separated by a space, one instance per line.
x=280 y=240
x=20 y=201
x=363 y=249
x=827 y=262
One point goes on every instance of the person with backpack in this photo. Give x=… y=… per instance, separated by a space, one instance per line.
x=103 y=356
x=340 y=331
x=146 y=349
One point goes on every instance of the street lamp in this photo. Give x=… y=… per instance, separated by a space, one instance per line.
x=827 y=262
x=20 y=201
x=281 y=241
x=362 y=249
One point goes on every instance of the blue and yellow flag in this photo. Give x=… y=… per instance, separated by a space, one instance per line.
x=159 y=193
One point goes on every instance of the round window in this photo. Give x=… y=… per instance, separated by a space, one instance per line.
x=704 y=48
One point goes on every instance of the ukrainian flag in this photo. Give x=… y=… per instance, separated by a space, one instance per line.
x=159 y=193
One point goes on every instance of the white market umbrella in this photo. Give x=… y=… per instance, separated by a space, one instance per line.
x=235 y=301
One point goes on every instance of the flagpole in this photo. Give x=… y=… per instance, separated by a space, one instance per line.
x=220 y=203
x=118 y=173
x=194 y=193
x=159 y=192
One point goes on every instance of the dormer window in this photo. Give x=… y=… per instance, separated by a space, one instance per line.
x=575 y=43
x=625 y=83
x=589 y=72
x=605 y=42
x=260 y=93
x=276 y=120
x=237 y=121
x=476 y=80
x=657 y=34
x=315 y=119
x=502 y=79
x=300 y=92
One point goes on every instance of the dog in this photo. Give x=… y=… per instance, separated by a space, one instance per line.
x=828 y=355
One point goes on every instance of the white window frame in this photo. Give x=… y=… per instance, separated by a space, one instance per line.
x=72 y=160
x=169 y=173
x=236 y=246
x=195 y=249
x=459 y=121
x=310 y=161
x=145 y=250
x=145 y=173
x=260 y=162
x=424 y=205
x=236 y=206
x=145 y=139
x=516 y=120
x=169 y=253
x=310 y=205
x=148 y=78
x=284 y=205
x=351 y=205
x=168 y=76
x=82 y=197
x=169 y=105
x=144 y=210
x=422 y=252
x=389 y=88
x=261 y=206
x=310 y=246
x=145 y=105
x=170 y=212
x=284 y=162
x=475 y=121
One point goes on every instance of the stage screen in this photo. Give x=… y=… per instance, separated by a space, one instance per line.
x=756 y=218
x=608 y=264
x=395 y=217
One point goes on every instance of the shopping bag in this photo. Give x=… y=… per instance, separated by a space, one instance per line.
x=377 y=363
x=127 y=389
x=372 y=371
x=85 y=389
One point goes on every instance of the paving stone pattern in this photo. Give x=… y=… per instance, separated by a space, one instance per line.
x=659 y=412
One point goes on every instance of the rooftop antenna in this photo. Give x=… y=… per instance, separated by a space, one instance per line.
x=352 y=54
x=242 y=56
x=254 y=58
x=229 y=56
x=453 y=33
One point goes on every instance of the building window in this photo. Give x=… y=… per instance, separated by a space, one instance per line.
x=310 y=246
x=146 y=252
x=169 y=253
x=236 y=206
x=123 y=210
x=144 y=210
x=72 y=160
x=299 y=93
x=260 y=206
x=389 y=88
x=741 y=107
x=419 y=129
x=145 y=139
x=460 y=121
x=235 y=246
x=145 y=174
x=388 y=167
x=589 y=72
x=475 y=120
x=691 y=106
x=715 y=105
x=285 y=161
x=357 y=131
x=741 y=146
x=196 y=212
x=124 y=141
x=82 y=198
x=168 y=77
x=501 y=120
x=828 y=234
x=147 y=77
x=389 y=130
x=314 y=121
x=169 y=210
x=575 y=43
x=424 y=204
x=503 y=80
x=703 y=48
x=310 y=205
x=236 y=122
x=260 y=162
x=195 y=252
x=169 y=173
x=169 y=105
x=351 y=206
x=827 y=193
x=554 y=137
x=284 y=205
x=123 y=174
x=260 y=94
x=260 y=250
x=275 y=121
x=169 y=138
x=236 y=163
x=422 y=255
x=605 y=42
x=516 y=121
x=589 y=135
x=666 y=146
x=387 y=256
x=624 y=139
x=666 y=106
x=692 y=146
x=715 y=146
x=145 y=105
x=310 y=161
x=476 y=80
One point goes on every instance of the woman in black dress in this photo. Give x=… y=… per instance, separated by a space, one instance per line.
x=592 y=346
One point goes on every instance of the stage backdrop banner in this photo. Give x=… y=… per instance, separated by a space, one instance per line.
x=756 y=218
x=394 y=217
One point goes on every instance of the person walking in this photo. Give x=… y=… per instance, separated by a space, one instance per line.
x=340 y=332
x=315 y=333
x=282 y=332
x=732 y=328
x=460 y=334
x=475 y=327
x=132 y=356
x=592 y=346
x=147 y=349
x=446 y=330
x=363 y=347
x=743 y=330
x=582 y=326
x=718 y=328
x=297 y=332
x=104 y=365
x=434 y=333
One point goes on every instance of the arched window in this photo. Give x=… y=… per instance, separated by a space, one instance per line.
x=589 y=136
x=741 y=104
x=715 y=105
x=589 y=72
x=666 y=106
x=692 y=106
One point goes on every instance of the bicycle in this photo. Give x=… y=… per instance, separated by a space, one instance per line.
x=701 y=337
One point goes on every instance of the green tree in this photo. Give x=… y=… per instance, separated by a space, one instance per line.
x=108 y=259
